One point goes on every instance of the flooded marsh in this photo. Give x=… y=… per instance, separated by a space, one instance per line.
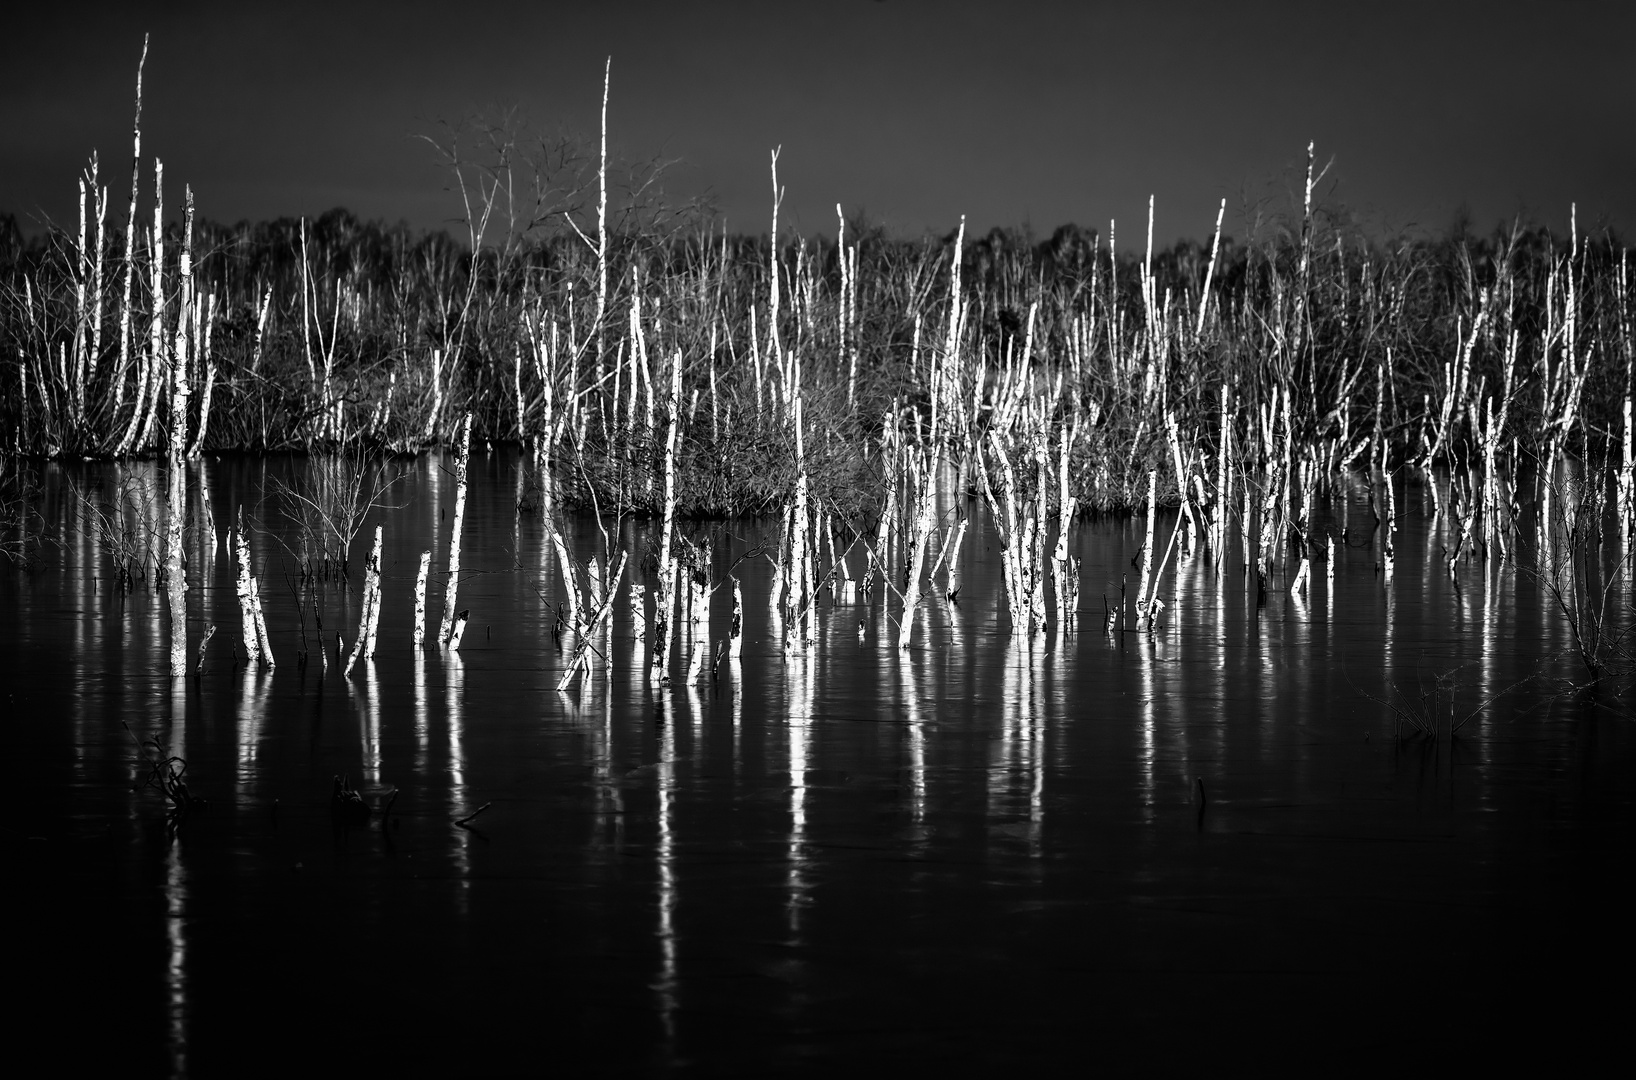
x=1218 y=835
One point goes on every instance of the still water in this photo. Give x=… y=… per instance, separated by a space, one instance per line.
x=1088 y=849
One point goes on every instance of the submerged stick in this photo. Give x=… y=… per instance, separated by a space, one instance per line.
x=639 y=610
x=420 y=597
x=130 y=259
x=210 y=632
x=951 y=587
x=920 y=535
x=698 y=604
x=665 y=589
x=176 y=477
x=735 y=628
x=1147 y=544
x=570 y=607
x=445 y=632
x=369 y=618
x=253 y=626
x=585 y=646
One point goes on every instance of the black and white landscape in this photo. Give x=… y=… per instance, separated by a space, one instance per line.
x=737 y=540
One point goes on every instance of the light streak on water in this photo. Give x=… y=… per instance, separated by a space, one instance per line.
x=667 y=984
x=1147 y=697
x=370 y=722
x=917 y=737
x=695 y=707
x=800 y=672
x=809 y=859
x=1388 y=639
x=454 y=704
x=176 y=960
x=252 y=712
x=1035 y=714
x=735 y=680
x=423 y=735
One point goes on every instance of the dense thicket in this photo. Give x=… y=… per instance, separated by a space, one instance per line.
x=307 y=335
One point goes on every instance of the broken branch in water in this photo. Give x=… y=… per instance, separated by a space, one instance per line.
x=347 y=804
x=165 y=772
x=469 y=818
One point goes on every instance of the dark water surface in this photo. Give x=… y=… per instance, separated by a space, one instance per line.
x=983 y=851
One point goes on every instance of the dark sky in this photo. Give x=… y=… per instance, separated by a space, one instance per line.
x=913 y=111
